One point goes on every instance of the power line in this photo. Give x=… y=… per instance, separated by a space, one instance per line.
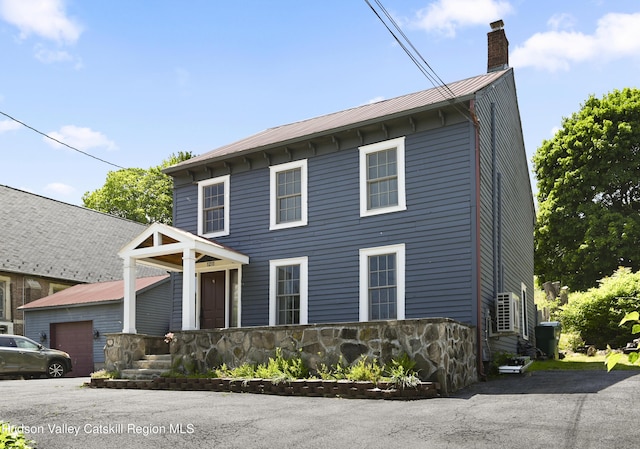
x=60 y=142
x=415 y=56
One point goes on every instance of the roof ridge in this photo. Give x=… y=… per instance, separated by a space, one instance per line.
x=70 y=204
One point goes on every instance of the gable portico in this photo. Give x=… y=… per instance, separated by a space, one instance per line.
x=175 y=250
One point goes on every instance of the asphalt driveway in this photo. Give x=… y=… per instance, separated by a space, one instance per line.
x=554 y=409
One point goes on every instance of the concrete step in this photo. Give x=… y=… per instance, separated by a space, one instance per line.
x=149 y=367
x=157 y=357
x=152 y=364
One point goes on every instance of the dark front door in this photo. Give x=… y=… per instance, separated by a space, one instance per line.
x=212 y=304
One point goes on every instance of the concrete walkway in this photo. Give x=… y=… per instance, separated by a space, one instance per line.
x=555 y=409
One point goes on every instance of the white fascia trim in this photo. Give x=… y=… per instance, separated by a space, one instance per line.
x=398 y=144
x=400 y=252
x=274 y=170
x=226 y=180
x=304 y=287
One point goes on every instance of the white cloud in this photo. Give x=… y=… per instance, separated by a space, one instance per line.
x=616 y=36
x=561 y=21
x=80 y=138
x=59 y=189
x=44 y=18
x=375 y=100
x=8 y=125
x=445 y=16
x=48 y=56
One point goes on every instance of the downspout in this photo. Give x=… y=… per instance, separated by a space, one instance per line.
x=479 y=322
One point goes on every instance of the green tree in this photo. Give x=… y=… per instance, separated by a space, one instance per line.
x=589 y=193
x=145 y=196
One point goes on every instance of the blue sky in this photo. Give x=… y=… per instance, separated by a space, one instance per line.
x=132 y=82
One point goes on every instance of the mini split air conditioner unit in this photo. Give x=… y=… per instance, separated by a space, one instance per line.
x=507 y=312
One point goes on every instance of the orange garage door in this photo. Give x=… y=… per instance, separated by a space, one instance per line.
x=75 y=338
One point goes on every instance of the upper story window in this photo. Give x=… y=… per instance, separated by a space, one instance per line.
x=288 y=192
x=288 y=285
x=213 y=207
x=382 y=177
x=382 y=287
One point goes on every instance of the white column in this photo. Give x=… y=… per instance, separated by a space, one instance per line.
x=188 y=290
x=129 y=312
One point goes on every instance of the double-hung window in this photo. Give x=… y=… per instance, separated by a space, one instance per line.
x=213 y=207
x=288 y=192
x=382 y=283
x=5 y=298
x=382 y=177
x=288 y=286
x=523 y=311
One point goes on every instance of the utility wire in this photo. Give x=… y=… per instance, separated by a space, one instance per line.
x=58 y=141
x=427 y=71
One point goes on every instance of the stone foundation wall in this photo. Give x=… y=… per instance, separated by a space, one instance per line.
x=444 y=350
x=121 y=350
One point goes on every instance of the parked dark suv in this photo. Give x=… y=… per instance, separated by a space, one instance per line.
x=21 y=355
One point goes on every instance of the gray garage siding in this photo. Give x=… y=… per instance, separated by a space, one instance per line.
x=106 y=317
x=436 y=229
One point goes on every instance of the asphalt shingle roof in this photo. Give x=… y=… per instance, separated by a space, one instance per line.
x=43 y=237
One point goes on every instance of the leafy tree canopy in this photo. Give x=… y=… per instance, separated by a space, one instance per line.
x=589 y=193
x=145 y=196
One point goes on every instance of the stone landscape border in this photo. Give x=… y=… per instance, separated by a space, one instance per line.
x=303 y=387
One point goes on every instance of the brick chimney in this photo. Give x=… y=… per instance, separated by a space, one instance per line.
x=498 y=47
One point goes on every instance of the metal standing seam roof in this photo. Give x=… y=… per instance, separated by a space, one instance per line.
x=348 y=118
x=91 y=293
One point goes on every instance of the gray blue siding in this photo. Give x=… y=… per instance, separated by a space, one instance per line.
x=436 y=229
x=516 y=210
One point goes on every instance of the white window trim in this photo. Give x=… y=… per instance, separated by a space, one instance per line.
x=273 y=216
x=304 y=287
x=365 y=253
x=523 y=312
x=226 y=180
x=7 y=299
x=398 y=143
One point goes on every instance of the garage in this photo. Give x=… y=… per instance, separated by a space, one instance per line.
x=76 y=320
x=76 y=339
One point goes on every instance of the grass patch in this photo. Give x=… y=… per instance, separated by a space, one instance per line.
x=580 y=362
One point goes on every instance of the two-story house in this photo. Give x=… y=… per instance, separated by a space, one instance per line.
x=414 y=207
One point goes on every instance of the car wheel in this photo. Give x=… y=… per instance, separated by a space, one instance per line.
x=55 y=369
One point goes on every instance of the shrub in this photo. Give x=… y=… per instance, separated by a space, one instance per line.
x=401 y=372
x=596 y=313
x=104 y=374
x=363 y=370
x=12 y=438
